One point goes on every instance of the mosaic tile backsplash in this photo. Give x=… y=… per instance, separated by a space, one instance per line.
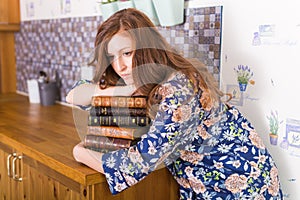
x=62 y=46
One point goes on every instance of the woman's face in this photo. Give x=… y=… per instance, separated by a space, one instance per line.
x=120 y=51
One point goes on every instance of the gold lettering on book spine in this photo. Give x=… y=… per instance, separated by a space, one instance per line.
x=114 y=119
x=139 y=102
x=96 y=100
x=133 y=121
x=122 y=102
x=130 y=102
x=109 y=101
x=105 y=101
x=103 y=110
x=118 y=132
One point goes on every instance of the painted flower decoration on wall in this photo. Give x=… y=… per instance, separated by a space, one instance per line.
x=274 y=123
x=244 y=75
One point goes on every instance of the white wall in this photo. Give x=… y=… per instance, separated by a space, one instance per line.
x=51 y=9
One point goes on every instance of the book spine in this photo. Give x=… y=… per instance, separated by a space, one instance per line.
x=111 y=131
x=114 y=101
x=127 y=121
x=109 y=111
x=106 y=143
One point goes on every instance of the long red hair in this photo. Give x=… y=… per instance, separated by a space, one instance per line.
x=154 y=59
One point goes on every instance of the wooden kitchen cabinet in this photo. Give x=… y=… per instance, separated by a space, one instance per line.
x=11 y=188
x=36 y=181
x=8 y=75
x=43 y=137
x=6 y=182
x=9 y=12
x=9 y=24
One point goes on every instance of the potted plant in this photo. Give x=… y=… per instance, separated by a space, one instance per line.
x=147 y=7
x=122 y=4
x=244 y=74
x=273 y=127
x=169 y=12
x=108 y=8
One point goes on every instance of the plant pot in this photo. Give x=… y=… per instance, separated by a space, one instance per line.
x=273 y=139
x=108 y=9
x=243 y=86
x=169 y=12
x=125 y=4
x=147 y=7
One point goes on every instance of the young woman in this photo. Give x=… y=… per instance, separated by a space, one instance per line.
x=209 y=147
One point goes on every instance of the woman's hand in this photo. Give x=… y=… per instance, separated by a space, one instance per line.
x=88 y=157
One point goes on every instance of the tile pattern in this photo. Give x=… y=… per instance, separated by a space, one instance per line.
x=62 y=46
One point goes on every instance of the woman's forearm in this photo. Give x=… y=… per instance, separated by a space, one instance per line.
x=82 y=94
x=88 y=157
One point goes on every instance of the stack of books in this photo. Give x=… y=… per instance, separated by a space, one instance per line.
x=116 y=122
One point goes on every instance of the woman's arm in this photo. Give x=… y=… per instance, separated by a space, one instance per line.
x=93 y=159
x=82 y=94
x=88 y=157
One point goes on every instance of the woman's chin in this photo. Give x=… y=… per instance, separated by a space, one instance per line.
x=128 y=82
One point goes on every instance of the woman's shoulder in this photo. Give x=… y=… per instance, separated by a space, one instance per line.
x=178 y=80
x=176 y=84
x=178 y=77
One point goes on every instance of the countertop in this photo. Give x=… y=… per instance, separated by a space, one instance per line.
x=46 y=134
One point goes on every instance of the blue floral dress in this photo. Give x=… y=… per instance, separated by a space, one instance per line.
x=212 y=153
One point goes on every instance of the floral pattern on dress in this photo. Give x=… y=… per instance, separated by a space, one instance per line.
x=213 y=153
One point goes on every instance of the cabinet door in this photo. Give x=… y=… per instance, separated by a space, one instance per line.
x=42 y=182
x=10 y=11
x=7 y=62
x=4 y=179
x=10 y=188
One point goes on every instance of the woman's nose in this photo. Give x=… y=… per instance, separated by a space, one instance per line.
x=119 y=64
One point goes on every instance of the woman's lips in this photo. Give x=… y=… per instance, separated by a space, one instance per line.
x=125 y=76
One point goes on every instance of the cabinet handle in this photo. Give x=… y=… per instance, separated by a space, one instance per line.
x=14 y=174
x=8 y=163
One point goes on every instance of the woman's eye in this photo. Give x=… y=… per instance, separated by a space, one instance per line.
x=128 y=53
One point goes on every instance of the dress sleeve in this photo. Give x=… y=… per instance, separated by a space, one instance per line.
x=168 y=132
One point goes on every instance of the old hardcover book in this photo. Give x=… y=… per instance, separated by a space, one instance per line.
x=117 y=132
x=122 y=121
x=120 y=101
x=97 y=142
x=114 y=111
